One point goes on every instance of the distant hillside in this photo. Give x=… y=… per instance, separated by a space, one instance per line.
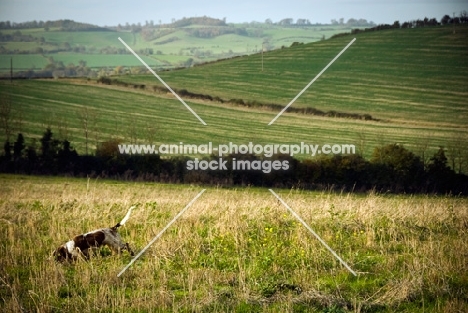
x=68 y=48
x=415 y=75
x=403 y=86
x=62 y=25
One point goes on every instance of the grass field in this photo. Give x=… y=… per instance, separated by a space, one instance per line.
x=239 y=250
x=412 y=75
x=135 y=116
x=95 y=61
x=174 y=52
x=234 y=250
x=397 y=76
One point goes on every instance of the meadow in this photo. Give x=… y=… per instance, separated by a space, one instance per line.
x=239 y=249
x=24 y=62
x=167 y=51
x=411 y=81
x=234 y=250
x=415 y=76
x=132 y=115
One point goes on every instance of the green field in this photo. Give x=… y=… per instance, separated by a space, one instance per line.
x=167 y=52
x=412 y=81
x=233 y=250
x=27 y=62
x=413 y=75
x=135 y=116
x=239 y=249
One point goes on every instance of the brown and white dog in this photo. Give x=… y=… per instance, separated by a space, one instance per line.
x=81 y=244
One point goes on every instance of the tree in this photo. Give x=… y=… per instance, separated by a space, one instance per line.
x=445 y=20
x=352 y=22
x=7 y=150
x=286 y=21
x=189 y=62
x=31 y=152
x=118 y=70
x=397 y=167
x=457 y=151
x=66 y=156
x=62 y=126
x=49 y=147
x=18 y=147
x=438 y=163
x=406 y=25
x=302 y=21
x=108 y=149
x=463 y=17
x=440 y=177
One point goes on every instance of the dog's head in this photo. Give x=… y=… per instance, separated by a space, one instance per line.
x=65 y=252
x=61 y=254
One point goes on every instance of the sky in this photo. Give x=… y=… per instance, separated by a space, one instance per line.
x=114 y=12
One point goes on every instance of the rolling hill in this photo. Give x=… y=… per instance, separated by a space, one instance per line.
x=405 y=74
x=411 y=81
x=194 y=40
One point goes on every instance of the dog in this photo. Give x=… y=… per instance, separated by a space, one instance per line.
x=80 y=245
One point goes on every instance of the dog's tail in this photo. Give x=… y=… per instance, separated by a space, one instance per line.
x=124 y=220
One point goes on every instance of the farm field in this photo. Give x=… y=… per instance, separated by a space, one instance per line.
x=411 y=81
x=411 y=75
x=169 y=51
x=235 y=250
x=95 y=61
x=135 y=116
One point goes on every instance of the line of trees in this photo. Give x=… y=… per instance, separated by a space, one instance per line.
x=63 y=25
x=392 y=168
x=52 y=47
x=426 y=22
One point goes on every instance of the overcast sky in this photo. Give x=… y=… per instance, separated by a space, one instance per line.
x=113 y=12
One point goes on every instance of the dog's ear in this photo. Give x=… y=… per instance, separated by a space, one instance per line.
x=60 y=254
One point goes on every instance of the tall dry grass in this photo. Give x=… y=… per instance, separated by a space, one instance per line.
x=233 y=250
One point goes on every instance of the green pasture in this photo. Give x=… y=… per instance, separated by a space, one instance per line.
x=38 y=61
x=413 y=82
x=416 y=76
x=22 y=62
x=175 y=52
x=143 y=116
x=285 y=36
x=103 y=60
